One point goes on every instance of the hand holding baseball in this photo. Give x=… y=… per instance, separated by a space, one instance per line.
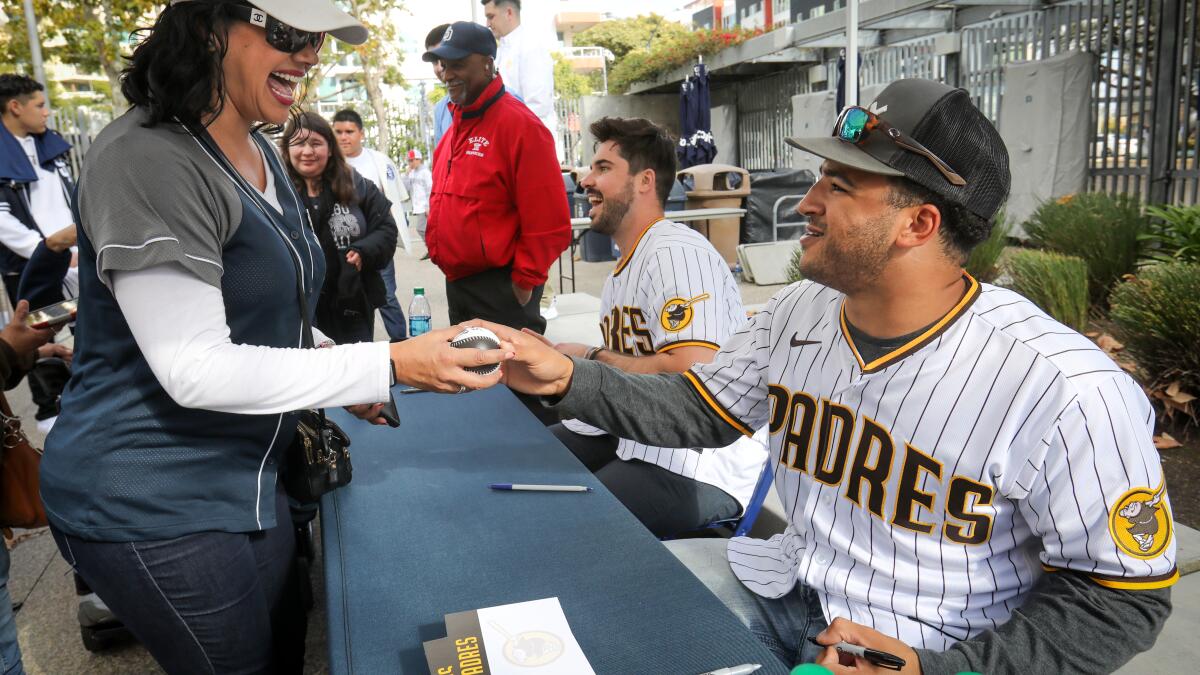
x=537 y=368
x=429 y=362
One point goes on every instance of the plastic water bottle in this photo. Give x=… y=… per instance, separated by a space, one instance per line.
x=419 y=314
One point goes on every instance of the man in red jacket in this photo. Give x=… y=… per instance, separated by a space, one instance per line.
x=498 y=216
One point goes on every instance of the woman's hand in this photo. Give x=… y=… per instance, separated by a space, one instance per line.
x=354 y=258
x=368 y=412
x=537 y=367
x=20 y=336
x=429 y=362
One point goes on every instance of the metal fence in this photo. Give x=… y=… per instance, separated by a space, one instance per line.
x=1145 y=88
x=570 y=129
x=765 y=118
x=78 y=126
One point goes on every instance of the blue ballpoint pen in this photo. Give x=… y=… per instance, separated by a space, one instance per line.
x=539 y=488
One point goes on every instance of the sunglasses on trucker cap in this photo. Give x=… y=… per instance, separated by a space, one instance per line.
x=931 y=134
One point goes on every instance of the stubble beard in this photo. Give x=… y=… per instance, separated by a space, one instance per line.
x=613 y=212
x=851 y=265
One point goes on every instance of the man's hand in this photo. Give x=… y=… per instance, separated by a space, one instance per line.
x=23 y=339
x=844 y=630
x=575 y=349
x=523 y=295
x=429 y=362
x=354 y=258
x=63 y=239
x=55 y=350
x=537 y=368
x=566 y=348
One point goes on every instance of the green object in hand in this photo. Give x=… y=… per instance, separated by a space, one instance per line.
x=810 y=669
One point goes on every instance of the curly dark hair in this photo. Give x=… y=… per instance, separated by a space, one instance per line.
x=644 y=144
x=176 y=69
x=961 y=230
x=338 y=176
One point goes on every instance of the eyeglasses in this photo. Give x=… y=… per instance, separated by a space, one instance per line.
x=855 y=125
x=280 y=35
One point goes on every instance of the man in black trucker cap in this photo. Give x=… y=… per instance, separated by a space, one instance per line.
x=969 y=484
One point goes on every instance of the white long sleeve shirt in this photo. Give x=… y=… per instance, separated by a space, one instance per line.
x=528 y=71
x=188 y=348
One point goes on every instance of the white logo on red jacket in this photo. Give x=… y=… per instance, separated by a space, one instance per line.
x=477 y=143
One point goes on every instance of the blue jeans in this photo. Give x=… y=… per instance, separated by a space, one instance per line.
x=210 y=602
x=393 y=316
x=10 y=651
x=783 y=624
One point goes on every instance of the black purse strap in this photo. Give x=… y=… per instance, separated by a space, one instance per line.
x=206 y=140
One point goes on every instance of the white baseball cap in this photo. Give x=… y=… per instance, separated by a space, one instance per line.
x=415 y=154
x=314 y=16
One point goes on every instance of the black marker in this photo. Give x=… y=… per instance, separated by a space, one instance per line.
x=873 y=656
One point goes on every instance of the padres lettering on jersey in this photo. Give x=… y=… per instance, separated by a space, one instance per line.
x=674 y=290
x=931 y=488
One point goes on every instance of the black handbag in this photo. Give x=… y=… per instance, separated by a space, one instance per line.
x=318 y=459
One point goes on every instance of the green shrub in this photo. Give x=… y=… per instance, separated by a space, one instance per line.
x=1174 y=234
x=1056 y=283
x=793 y=272
x=1102 y=229
x=1157 y=314
x=983 y=261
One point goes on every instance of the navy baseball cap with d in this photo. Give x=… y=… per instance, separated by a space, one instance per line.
x=929 y=133
x=462 y=39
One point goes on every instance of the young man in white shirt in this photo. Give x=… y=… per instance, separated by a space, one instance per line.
x=421 y=181
x=379 y=169
x=524 y=61
x=35 y=183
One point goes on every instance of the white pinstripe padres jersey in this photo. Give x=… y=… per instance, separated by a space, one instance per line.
x=674 y=291
x=928 y=490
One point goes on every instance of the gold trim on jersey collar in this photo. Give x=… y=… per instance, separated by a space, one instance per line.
x=626 y=257
x=921 y=340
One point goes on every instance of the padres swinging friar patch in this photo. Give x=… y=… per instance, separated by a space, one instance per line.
x=677 y=314
x=1140 y=523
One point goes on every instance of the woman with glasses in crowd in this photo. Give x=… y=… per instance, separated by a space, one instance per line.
x=354 y=224
x=161 y=476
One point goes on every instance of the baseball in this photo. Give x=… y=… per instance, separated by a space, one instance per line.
x=481 y=339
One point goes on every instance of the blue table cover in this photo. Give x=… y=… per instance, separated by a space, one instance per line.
x=418 y=535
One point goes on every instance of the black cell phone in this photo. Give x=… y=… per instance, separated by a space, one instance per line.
x=53 y=316
x=389 y=413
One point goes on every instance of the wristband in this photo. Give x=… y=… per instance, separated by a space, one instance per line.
x=392 y=370
x=593 y=353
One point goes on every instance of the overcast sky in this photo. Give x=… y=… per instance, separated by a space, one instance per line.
x=422 y=15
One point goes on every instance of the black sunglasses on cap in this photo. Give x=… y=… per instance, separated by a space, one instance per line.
x=280 y=35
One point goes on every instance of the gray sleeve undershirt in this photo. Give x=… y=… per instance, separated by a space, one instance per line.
x=1069 y=624
x=660 y=410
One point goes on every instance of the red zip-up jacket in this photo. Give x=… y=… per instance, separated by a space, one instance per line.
x=498 y=196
